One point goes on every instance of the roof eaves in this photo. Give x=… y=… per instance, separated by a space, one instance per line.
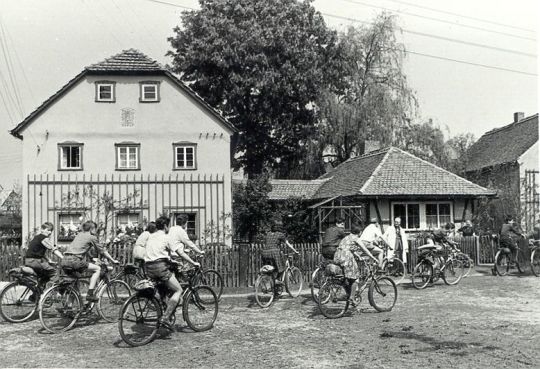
x=40 y=109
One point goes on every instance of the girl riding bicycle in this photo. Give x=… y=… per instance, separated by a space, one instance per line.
x=271 y=253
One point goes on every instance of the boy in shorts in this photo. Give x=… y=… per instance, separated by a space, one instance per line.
x=76 y=256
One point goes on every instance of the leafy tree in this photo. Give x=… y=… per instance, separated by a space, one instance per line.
x=376 y=103
x=460 y=145
x=263 y=64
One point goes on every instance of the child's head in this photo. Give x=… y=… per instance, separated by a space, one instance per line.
x=151 y=227
x=162 y=223
x=181 y=220
x=356 y=229
x=47 y=228
x=89 y=226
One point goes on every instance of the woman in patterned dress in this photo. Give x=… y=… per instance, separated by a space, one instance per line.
x=271 y=253
x=344 y=256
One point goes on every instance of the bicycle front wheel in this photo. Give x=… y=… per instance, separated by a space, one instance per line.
x=111 y=298
x=59 y=308
x=18 y=303
x=382 y=294
x=333 y=299
x=395 y=270
x=535 y=262
x=139 y=320
x=294 y=281
x=502 y=263
x=212 y=279
x=452 y=272
x=200 y=308
x=317 y=280
x=264 y=290
x=422 y=274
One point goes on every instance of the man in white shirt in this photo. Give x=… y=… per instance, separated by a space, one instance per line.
x=157 y=264
x=371 y=236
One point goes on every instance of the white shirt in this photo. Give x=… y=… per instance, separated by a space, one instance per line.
x=179 y=237
x=371 y=233
x=158 y=246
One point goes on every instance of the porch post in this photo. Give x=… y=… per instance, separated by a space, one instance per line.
x=379 y=214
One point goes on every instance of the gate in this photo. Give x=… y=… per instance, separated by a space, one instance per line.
x=530 y=200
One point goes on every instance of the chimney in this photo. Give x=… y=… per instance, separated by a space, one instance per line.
x=369 y=146
x=518 y=116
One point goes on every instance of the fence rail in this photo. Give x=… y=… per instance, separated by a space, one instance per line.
x=240 y=263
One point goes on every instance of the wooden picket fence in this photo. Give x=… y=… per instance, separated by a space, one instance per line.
x=240 y=263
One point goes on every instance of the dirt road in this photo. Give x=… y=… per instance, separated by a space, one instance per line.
x=485 y=322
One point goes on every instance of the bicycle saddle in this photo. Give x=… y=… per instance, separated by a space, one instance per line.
x=23 y=270
x=428 y=246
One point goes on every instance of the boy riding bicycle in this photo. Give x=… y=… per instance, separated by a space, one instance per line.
x=509 y=234
x=157 y=263
x=77 y=253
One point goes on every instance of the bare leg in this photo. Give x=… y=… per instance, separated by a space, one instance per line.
x=176 y=298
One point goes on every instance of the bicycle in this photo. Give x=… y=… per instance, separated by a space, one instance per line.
x=534 y=245
x=425 y=272
x=209 y=277
x=61 y=306
x=334 y=300
x=503 y=261
x=318 y=277
x=393 y=267
x=266 y=288
x=140 y=315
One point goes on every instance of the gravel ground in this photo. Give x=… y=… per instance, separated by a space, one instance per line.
x=484 y=322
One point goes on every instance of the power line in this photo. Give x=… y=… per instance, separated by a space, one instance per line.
x=462 y=15
x=9 y=66
x=171 y=4
x=438 y=20
x=449 y=39
x=471 y=63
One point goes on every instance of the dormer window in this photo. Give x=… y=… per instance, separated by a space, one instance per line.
x=149 y=91
x=105 y=91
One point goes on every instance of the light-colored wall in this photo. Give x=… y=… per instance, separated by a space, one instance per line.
x=77 y=117
x=529 y=160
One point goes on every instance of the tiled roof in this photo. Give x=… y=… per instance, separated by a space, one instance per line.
x=394 y=172
x=4 y=195
x=503 y=145
x=283 y=189
x=127 y=62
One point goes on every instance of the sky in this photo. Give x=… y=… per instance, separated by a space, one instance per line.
x=48 y=42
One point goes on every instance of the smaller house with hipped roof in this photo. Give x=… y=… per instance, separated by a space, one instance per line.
x=385 y=184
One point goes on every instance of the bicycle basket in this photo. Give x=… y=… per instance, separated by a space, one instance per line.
x=333 y=270
x=267 y=269
x=144 y=286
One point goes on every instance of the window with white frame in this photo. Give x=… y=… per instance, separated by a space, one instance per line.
x=149 y=92
x=127 y=156
x=70 y=156
x=127 y=220
x=105 y=91
x=185 y=156
x=416 y=215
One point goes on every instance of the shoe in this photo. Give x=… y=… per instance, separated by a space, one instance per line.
x=90 y=297
x=166 y=323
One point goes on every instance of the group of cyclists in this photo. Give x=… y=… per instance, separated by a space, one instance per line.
x=153 y=250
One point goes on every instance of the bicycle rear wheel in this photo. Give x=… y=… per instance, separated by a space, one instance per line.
x=200 y=308
x=468 y=263
x=535 y=262
x=452 y=272
x=382 y=294
x=111 y=298
x=333 y=299
x=422 y=274
x=59 y=308
x=139 y=320
x=264 y=290
x=18 y=303
x=212 y=279
x=294 y=281
x=395 y=270
x=502 y=263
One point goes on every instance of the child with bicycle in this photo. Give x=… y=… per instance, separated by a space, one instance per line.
x=179 y=236
x=271 y=253
x=510 y=232
x=36 y=257
x=158 y=265
x=77 y=254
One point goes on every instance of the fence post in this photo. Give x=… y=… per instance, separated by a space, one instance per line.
x=243 y=264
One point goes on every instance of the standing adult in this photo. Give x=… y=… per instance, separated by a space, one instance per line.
x=396 y=237
x=467 y=230
x=332 y=238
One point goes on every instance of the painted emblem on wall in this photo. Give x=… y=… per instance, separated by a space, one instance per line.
x=128 y=117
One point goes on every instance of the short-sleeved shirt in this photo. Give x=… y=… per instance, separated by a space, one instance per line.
x=83 y=243
x=371 y=233
x=333 y=236
x=179 y=236
x=36 y=248
x=159 y=246
x=274 y=240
